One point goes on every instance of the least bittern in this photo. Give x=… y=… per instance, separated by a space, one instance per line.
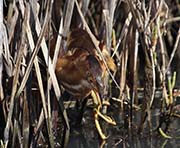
x=81 y=72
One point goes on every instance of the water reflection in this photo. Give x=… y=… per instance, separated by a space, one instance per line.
x=86 y=136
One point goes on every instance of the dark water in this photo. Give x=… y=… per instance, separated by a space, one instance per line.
x=85 y=136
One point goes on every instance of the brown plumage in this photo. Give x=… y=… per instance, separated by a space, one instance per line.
x=80 y=70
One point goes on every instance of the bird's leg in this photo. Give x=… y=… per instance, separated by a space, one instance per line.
x=81 y=108
x=97 y=114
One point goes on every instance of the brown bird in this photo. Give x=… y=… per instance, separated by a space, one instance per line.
x=81 y=72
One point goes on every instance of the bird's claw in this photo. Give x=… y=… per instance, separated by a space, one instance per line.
x=97 y=114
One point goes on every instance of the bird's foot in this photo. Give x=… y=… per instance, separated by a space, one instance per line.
x=97 y=114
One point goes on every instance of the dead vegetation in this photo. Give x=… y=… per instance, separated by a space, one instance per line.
x=141 y=36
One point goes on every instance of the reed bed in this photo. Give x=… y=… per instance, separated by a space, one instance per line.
x=142 y=37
